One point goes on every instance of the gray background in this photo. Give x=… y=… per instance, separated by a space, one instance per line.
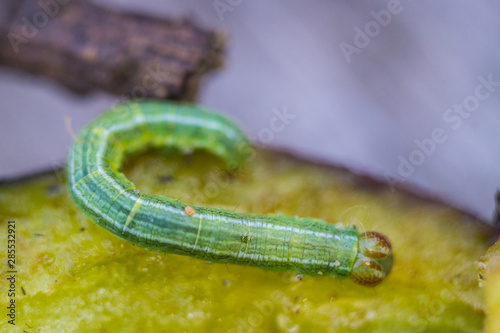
x=285 y=55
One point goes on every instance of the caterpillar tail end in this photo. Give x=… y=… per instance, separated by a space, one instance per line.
x=374 y=260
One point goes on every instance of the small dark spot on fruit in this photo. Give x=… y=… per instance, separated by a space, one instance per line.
x=54 y=189
x=166 y=179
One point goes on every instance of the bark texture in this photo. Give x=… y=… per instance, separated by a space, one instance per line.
x=87 y=47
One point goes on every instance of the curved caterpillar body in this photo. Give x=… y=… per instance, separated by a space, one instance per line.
x=303 y=245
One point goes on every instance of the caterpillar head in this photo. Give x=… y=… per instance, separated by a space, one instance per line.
x=374 y=260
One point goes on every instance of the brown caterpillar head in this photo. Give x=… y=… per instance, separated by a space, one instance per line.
x=374 y=260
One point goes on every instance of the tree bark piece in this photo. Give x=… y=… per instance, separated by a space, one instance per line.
x=86 y=47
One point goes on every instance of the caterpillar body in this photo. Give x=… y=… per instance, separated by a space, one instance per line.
x=303 y=245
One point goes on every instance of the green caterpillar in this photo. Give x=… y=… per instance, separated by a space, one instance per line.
x=303 y=245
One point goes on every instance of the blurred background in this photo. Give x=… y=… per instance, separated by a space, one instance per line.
x=405 y=91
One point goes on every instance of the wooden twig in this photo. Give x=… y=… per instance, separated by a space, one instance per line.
x=86 y=47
